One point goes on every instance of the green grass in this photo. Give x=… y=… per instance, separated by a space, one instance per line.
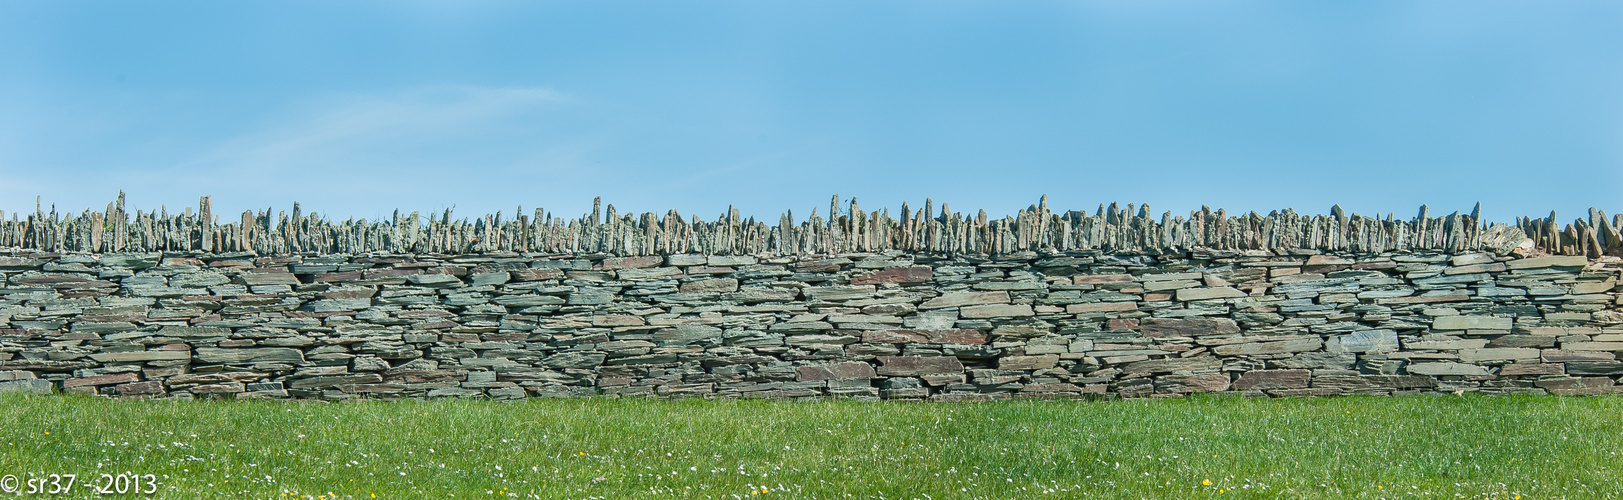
x=1494 y=447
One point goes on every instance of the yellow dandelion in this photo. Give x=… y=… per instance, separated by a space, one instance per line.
x=1379 y=487
x=583 y=453
x=1206 y=482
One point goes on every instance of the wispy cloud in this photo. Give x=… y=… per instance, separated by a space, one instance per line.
x=358 y=154
x=374 y=126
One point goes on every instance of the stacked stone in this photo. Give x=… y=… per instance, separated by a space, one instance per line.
x=888 y=324
x=847 y=229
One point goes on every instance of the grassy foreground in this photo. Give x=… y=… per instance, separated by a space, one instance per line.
x=1493 y=447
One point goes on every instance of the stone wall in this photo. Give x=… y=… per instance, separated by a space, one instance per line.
x=866 y=325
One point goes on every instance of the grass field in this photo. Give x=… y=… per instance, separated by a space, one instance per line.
x=1475 y=447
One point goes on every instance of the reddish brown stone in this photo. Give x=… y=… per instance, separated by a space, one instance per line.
x=1192 y=327
x=1576 y=386
x=912 y=366
x=115 y=378
x=1272 y=379
x=1184 y=384
x=837 y=371
x=914 y=274
x=149 y=387
x=1516 y=369
x=1123 y=324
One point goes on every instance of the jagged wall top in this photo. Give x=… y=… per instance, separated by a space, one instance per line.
x=852 y=230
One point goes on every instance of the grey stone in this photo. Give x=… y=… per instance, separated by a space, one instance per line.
x=1471 y=323
x=249 y=355
x=1446 y=368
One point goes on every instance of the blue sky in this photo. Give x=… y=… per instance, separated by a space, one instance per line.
x=357 y=108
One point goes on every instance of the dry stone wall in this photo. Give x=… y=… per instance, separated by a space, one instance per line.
x=890 y=324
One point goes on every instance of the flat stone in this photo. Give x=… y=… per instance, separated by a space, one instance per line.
x=684 y=334
x=222 y=388
x=1199 y=382
x=685 y=260
x=1564 y=356
x=1356 y=382
x=194 y=331
x=1042 y=362
x=330 y=381
x=839 y=292
x=959 y=336
x=146 y=388
x=260 y=279
x=612 y=320
x=912 y=274
x=1595 y=368
x=1366 y=341
x=130 y=260
x=1552 y=261
x=1099 y=279
x=1518 y=340
x=1578 y=386
x=1592 y=346
x=1263 y=380
x=574 y=359
x=1425 y=299
x=496 y=278
x=1518 y=369
x=710 y=285
x=1471 y=323
x=1194 y=364
x=836 y=371
x=913 y=366
x=434 y=280
x=1190 y=327
x=110 y=379
x=1099 y=307
x=1260 y=348
x=1499 y=354
x=249 y=355
x=960 y=299
x=731 y=260
x=631 y=262
x=654 y=273
x=1446 y=368
x=134 y=356
x=1221 y=292
x=1445 y=345
x=996 y=311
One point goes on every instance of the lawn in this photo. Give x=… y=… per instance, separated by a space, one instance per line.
x=1454 y=446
